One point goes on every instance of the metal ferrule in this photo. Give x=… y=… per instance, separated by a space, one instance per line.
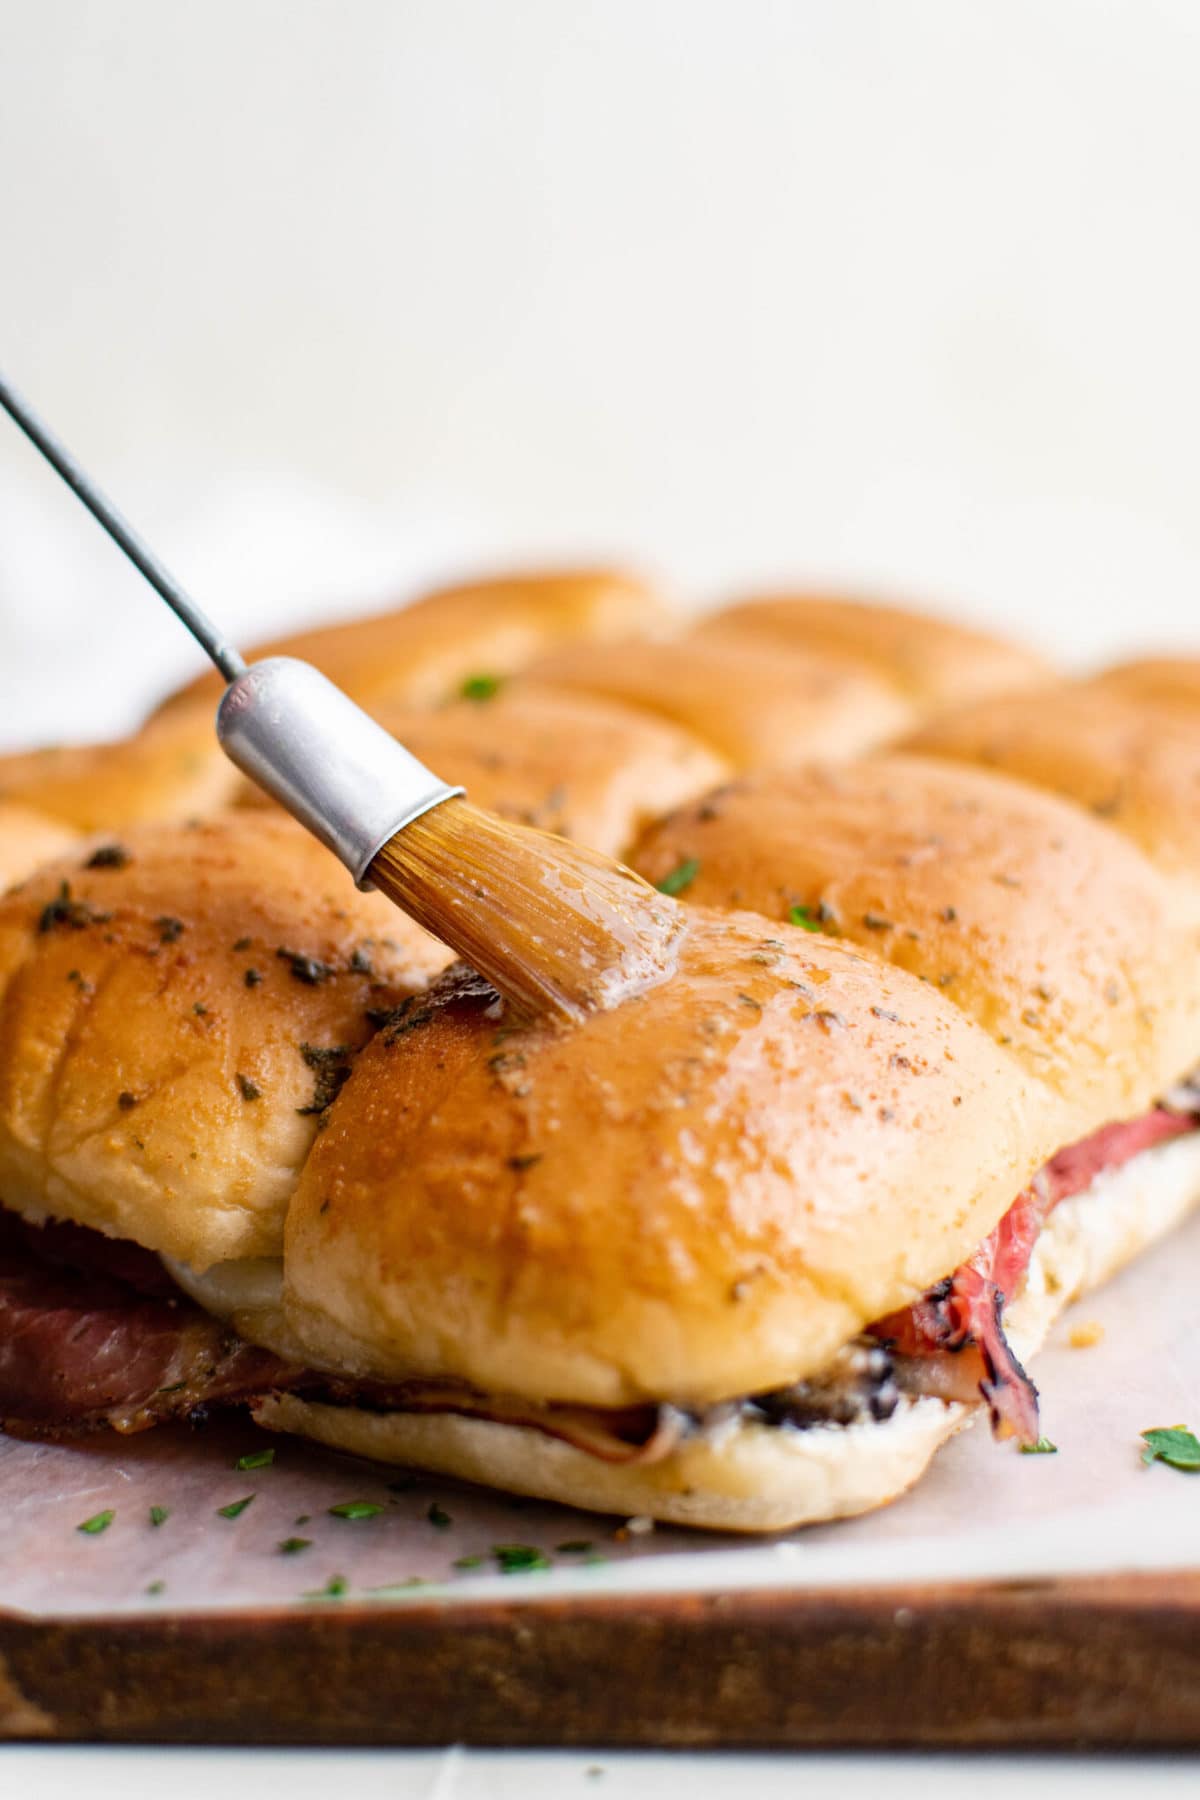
x=333 y=768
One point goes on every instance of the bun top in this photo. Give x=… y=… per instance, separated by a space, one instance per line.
x=700 y=1194
x=172 y=770
x=932 y=662
x=1041 y=923
x=586 y=768
x=28 y=838
x=172 y=1007
x=424 y=651
x=1169 y=680
x=757 y=704
x=1129 y=761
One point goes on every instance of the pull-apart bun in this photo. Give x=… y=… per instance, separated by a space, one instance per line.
x=698 y=1195
x=172 y=1008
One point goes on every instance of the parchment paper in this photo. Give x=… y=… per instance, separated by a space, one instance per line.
x=982 y=1510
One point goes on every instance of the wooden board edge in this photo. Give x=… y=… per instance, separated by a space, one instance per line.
x=1108 y=1662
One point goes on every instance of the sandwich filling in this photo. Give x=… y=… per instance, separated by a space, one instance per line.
x=94 y=1332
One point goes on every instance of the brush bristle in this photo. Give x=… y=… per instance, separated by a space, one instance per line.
x=555 y=928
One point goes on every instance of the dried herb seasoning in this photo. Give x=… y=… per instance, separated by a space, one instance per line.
x=331 y=1064
x=65 y=912
x=395 y=1022
x=307 y=969
x=109 y=856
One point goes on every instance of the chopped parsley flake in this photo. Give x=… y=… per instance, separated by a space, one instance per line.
x=159 y=1515
x=334 y=1589
x=515 y=1559
x=468 y=1562
x=439 y=1517
x=480 y=687
x=1043 y=1447
x=98 y=1522
x=680 y=877
x=156 y=1587
x=355 y=1509
x=235 y=1509
x=574 y=1547
x=256 y=1459
x=1173 y=1444
x=292 y=1546
x=804 y=917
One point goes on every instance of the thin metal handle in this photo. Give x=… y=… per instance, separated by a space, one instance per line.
x=222 y=652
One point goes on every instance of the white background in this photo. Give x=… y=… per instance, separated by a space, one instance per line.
x=338 y=298
x=343 y=298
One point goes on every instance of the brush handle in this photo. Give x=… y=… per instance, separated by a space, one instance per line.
x=283 y=724
x=325 y=760
x=121 y=531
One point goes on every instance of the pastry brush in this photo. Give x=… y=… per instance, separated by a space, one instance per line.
x=557 y=929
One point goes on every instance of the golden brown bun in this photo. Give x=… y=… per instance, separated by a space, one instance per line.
x=145 y=1088
x=700 y=1194
x=28 y=838
x=1165 y=680
x=172 y=770
x=1136 y=765
x=422 y=652
x=586 y=768
x=759 y=705
x=929 y=660
x=755 y=1477
x=1040 y=922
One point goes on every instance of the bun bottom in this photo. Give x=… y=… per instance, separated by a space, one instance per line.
x=754 y=1477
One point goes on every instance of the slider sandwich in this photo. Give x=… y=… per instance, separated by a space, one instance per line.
x=739 y=1253
x=418 y=656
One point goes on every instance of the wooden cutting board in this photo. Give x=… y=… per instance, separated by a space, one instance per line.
x=1109 y=1661
x=907 y=1627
